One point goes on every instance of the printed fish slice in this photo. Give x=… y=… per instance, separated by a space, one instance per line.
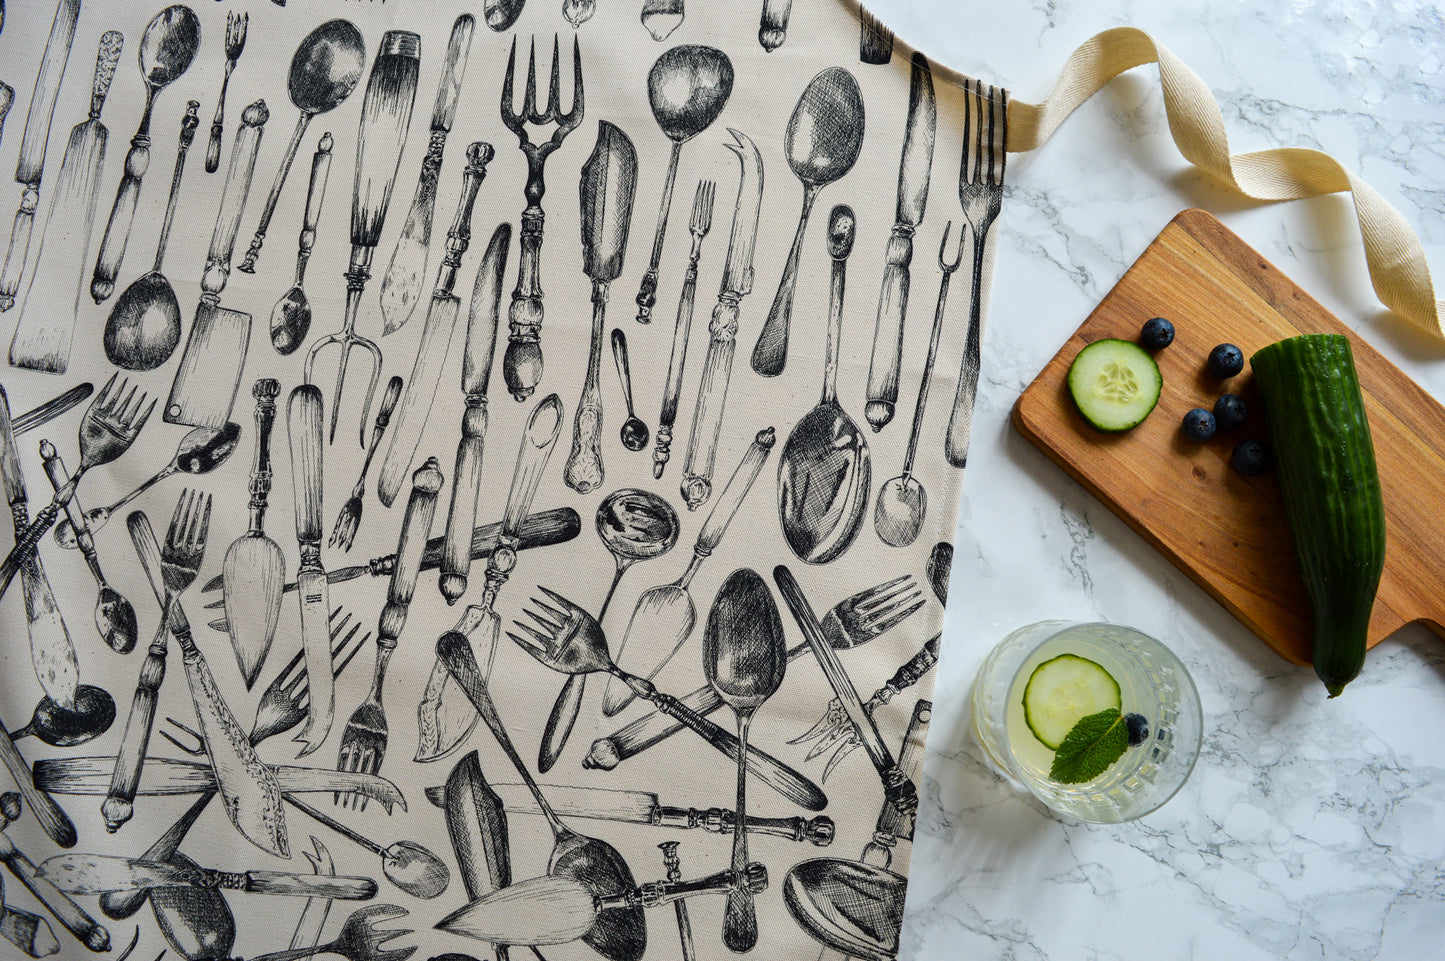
x=254 y=569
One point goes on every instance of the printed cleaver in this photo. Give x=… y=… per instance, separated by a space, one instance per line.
x=210 y=370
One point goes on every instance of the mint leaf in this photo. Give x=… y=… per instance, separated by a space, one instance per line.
x=1096 y=742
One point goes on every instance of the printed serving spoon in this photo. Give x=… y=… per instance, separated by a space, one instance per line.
x=744 y=656
x=822 y=142
x=92 y=716
x=144 y=326
x=823 y=471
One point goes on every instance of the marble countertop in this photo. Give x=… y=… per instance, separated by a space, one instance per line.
x=1309 y=829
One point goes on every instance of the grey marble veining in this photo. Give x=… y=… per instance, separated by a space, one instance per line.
x=1309 y=829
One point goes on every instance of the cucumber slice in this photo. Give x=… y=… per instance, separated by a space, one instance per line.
x=1115 y=384
x=1061 y=691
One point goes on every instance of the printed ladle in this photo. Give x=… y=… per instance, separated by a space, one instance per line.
x=634 y=525
x=688 y=87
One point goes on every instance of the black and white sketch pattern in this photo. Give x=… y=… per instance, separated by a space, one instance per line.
x=813 y=632
x=822 y=143
x=380 y=139
x=167 y=47
x=42 y=339
x=144 y=325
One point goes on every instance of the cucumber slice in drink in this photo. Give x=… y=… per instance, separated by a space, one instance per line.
x=1063 y=690
x=1115 y=384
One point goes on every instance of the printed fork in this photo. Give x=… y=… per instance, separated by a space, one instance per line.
x=980 y=189
x=852 y=621
x=569 y=640
x=180 y=560
x=235 y=43
x=361 y=939
x=107 y=429
x=700 y=224
x=363 y=742
x=522 y=364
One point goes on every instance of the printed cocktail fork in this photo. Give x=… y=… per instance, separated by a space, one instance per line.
x=699 y=225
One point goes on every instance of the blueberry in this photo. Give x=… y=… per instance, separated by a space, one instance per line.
x=1198 y=424
x=1226 y=360
x=1249 y=457
x=1157 y=334
x=1229 y=411
x=1138 y=727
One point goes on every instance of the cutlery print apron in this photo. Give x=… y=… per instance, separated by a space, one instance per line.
x=483 y=476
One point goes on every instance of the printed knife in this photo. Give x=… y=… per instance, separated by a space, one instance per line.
x=99 y=873
x=43 y=336
x=482 y=321
x=401 y=286
x=641 y=807
x=913 y=175
x=436 y=336
x=52 y=652
x=31 y=165
x=303 y=417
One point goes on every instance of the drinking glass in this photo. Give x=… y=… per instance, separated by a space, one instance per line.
x=1152 y=682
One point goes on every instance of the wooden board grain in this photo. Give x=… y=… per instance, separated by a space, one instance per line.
x=1228 y=532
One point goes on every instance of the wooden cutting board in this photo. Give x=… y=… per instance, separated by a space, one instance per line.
x=1228 y=532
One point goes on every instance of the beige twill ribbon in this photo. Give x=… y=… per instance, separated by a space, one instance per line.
x=1396 y=260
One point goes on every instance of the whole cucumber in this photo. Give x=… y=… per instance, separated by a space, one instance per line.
x=1332 y=498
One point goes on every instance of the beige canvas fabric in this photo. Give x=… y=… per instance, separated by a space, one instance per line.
x=617 y=147
x=563 y=530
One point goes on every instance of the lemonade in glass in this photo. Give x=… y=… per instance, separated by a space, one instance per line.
x=1099 y=721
